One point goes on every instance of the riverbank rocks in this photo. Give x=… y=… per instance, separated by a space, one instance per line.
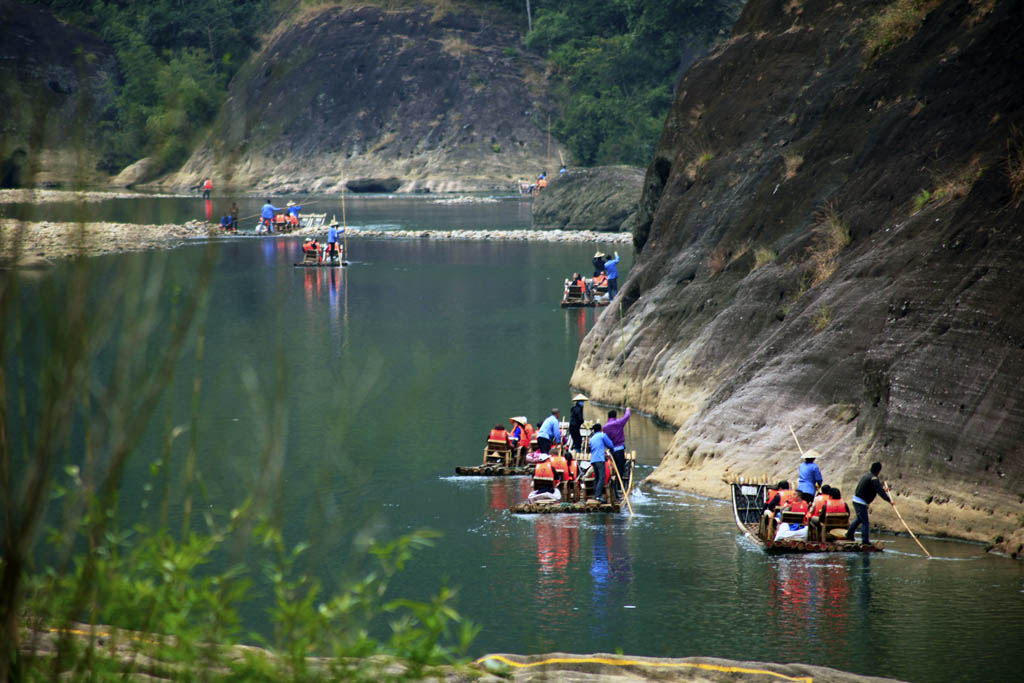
x=829 y=239
x=56 y=240
x=604 y=199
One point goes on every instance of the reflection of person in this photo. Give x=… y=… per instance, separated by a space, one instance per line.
x=810 y=476
x=599 y=444
x=576 y=421
x=611 y=267
x=867 y=488
x=549 y=432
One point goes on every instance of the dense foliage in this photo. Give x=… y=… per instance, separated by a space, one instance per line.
x=615 y=65
x=176 y=57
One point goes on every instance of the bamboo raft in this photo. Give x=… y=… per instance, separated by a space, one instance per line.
x=494 y=470
x=748 y=504
x=559 y=508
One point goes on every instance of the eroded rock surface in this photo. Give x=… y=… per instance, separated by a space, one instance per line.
x=441 y=100
x=602 y=198
x=743 y=316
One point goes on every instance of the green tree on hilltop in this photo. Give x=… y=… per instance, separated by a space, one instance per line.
x=615 y=64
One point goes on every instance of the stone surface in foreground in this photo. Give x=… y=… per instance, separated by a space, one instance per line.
x=605 y=667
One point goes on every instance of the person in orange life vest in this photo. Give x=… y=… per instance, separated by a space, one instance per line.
x=499 y=434
x=207 y=188
x=818 y=504
x=561 y=468
x=544 y=481
x=280 y=221
x=572 y=474
x=310 y=247
x=773 y=501
x=832 y=504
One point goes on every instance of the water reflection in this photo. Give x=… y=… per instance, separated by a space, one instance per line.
x=611 y=569
x=557 y=545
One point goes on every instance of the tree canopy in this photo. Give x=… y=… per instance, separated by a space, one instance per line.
x=615 y=64
x=175 y=57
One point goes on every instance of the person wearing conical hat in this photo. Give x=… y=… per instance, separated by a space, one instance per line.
x=598 y=262
x=293 y=214
x=810 y=475
x=332 y=239
x=576 y=421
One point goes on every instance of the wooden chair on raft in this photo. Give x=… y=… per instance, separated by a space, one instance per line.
x=834 y=520
x=497 y=452
x=574 y=294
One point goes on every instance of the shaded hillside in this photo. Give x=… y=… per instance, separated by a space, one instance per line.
x=831 y=240
x=53 y=85
x=438 y=100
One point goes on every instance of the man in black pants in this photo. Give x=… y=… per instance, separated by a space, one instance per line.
x=576 y=421
x=868 y=487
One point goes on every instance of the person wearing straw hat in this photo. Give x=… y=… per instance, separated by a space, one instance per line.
x=867 y=488
x=810 y=478
x=598 y=262
x=293 y=214
x=332 y=239
x=576 y=421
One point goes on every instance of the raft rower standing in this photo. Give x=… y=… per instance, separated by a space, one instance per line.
x=867 y=488
x=810 y=478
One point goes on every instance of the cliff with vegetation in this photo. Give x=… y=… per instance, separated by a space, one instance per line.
x=53 y=85
x=829 y=240
x=603 y=198
x=431 y=98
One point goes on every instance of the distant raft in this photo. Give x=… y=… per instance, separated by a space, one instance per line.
x=494 y=470
x=559 y=508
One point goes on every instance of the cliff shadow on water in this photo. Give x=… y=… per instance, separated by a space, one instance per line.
x=829 y=240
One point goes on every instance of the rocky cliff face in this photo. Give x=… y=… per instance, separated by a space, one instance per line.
x=830 y=240
x=438 y=100
x=53 y=82
x=602 y=198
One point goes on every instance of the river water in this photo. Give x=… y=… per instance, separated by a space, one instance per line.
x=391 y=372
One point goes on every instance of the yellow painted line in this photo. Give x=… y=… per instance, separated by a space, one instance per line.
x=634 y=662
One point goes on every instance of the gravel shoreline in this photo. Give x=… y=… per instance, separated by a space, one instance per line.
x=56 y=240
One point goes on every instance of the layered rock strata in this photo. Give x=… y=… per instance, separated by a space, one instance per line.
x=830 y=241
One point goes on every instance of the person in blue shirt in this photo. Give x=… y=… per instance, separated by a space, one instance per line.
x=599 y=445
x=611 y=269
x=549 y=432
x=332 y=239
x=267 y=215
x=810 y=476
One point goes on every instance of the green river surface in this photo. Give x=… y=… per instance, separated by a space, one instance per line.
x=392 y=371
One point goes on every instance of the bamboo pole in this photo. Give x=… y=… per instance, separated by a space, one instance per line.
x=796 y=439
x=905 y=525
x=619 y=477
x=344 y=222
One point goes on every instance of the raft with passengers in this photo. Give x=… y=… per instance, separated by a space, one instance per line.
x=780 y=522
x=567 y=461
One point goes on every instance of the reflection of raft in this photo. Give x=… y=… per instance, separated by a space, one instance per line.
x=323 y=264
x=494 y=470
x=748 y=504
x=558 y=508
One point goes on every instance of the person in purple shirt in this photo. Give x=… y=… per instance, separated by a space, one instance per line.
x=616 y=431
